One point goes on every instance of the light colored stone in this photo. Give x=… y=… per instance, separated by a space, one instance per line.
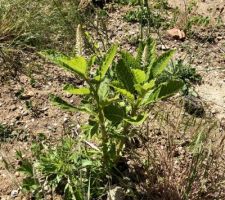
x=14 y=193
x=176 y=33
x=116 y=193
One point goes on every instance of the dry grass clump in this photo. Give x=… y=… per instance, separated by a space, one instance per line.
x=180 y=156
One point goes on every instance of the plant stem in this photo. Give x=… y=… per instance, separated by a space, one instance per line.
x=125 y=130
x=101 y=117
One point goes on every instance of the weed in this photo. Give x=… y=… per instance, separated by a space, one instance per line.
x=182 y=155
x=143 y=16
x=130 y=2
x=115 y=99
x=181 y=71
x=197 y=20
x=33 y=23
x=75 y=176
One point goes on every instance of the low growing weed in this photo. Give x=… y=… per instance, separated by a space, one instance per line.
x=68 y=168
x=145 y=17
x=182 y=71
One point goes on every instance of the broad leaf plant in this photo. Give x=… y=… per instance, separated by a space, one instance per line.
x=117 y=91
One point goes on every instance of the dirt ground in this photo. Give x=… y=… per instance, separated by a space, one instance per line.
x=42 y=117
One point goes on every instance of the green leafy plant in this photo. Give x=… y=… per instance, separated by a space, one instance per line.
x=145 y=16
x=132 y=78
x=196 y=20
x=181 y=71
x=192 y=18
x=116 y=99
x=74 y=176
x=130 y=2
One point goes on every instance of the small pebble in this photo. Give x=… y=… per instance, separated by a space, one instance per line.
x=14 y=193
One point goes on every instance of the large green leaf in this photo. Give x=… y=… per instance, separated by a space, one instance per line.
x=76 y=65
x=137 y=120
x=139 y=75
x=130 y=60
x=161 y=63
x=108 y=60
x=125 y=93
x=169 y=88
x=125 y=75
x=73 y=90
x=152 y=56
x=57 y=101
x=149 y=85
x=103 y=90
x=140 y=50
x=163 y=91
x=114 y=113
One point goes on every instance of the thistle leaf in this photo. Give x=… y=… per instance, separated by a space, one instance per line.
x=73 y=90
x=161 y=63
x=130 y=60
x=91 y=61
x=169 y=88
x=145 y=55
x=151 y=55
x=57 y=101
x=149 y=85
x=52 y=56
x=140 y=50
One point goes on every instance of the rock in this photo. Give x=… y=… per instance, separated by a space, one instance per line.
x=194 y=106
x=24 y=113
x=164 y=47
x=176 y=33
x=65 y=119
x=14 y=193
x=44 y=109
x=27 y=96
x=13 y=108
x=17 y=174
x=68 y=95
x=116 y=193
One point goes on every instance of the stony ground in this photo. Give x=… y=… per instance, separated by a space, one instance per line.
x=27 y=109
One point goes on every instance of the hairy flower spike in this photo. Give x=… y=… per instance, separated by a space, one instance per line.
x=145 y=56
x=79 y=41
